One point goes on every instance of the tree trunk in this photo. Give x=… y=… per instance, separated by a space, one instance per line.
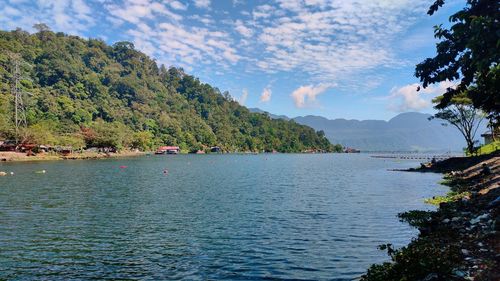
x=470 y=143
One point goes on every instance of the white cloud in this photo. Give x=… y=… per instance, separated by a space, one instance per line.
x=136 y=11
x=326 y=41
x=161 y=33
x=178 y=5
x=243 y=98
x=407 y=98
x=242 y=29
x=332 y=40
x=202 y=3
x=263 y=11
x=72 y=16
x=266 y=95
x=306 y=95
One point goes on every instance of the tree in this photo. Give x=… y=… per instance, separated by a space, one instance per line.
x=42 y=30
x=41 y=27
x=143 y=140
x=462 y=114
x=469 y=52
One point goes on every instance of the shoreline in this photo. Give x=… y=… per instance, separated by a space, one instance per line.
x=15 y=157
x=461 y=239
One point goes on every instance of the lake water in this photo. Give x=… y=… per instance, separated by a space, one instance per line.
x=212 y=217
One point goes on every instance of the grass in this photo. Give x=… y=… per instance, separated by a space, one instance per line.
x=450 y=197
x=489 y=148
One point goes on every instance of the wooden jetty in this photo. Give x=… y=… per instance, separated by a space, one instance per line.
x=415 y=156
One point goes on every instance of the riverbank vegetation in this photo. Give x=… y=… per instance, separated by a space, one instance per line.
x=459 y=241
x=84 y=93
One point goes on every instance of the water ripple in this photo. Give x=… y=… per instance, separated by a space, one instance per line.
x=223 y=217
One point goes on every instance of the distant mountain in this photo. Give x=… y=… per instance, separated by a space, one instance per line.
x=410 y=131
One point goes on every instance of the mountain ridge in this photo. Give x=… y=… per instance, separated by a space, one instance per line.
x=406 y=132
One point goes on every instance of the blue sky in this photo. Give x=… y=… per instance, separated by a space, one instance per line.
x=333 y=58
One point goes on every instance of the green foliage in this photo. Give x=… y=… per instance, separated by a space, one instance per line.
x=416 y=218
x=468 y=51
x=449 y=197
x=115 y=96
x=143 y=140
x=461 y=113
x=487 y=148
x=423 y=259
x=40 y=132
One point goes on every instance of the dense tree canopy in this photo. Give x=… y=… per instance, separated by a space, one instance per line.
x=84 y=92
x=469 y=51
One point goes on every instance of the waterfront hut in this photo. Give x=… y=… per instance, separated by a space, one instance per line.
x=168 y=150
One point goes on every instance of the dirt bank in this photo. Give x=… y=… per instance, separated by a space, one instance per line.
x=20 y=157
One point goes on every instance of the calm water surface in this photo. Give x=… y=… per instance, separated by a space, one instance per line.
x=212 y=217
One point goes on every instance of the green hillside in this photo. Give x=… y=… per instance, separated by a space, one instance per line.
x=86 y=93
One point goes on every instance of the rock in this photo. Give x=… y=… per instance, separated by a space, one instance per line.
x=465 y=252
x=454 y=219
x=494 y=203
x=446 y=220
x=479 y=218
x=432 y=276
x=459 y=273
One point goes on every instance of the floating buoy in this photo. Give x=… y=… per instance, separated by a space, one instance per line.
x=11 y=173
x=123 y=167
x=40 y=172
x=165 y=172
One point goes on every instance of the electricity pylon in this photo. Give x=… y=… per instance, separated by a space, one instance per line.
x=19 y=109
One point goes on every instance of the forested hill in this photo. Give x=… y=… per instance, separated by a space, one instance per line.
x=86 y=93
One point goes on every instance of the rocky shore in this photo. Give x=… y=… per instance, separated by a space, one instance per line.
x=459 y=241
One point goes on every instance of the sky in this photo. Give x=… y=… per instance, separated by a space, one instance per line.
x=352 y=59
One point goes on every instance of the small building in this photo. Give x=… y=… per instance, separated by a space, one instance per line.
x=64 y=150
x=490 y=137
x=351 y=150
x=168 y=150
x=8 y=145
x=215 y=149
